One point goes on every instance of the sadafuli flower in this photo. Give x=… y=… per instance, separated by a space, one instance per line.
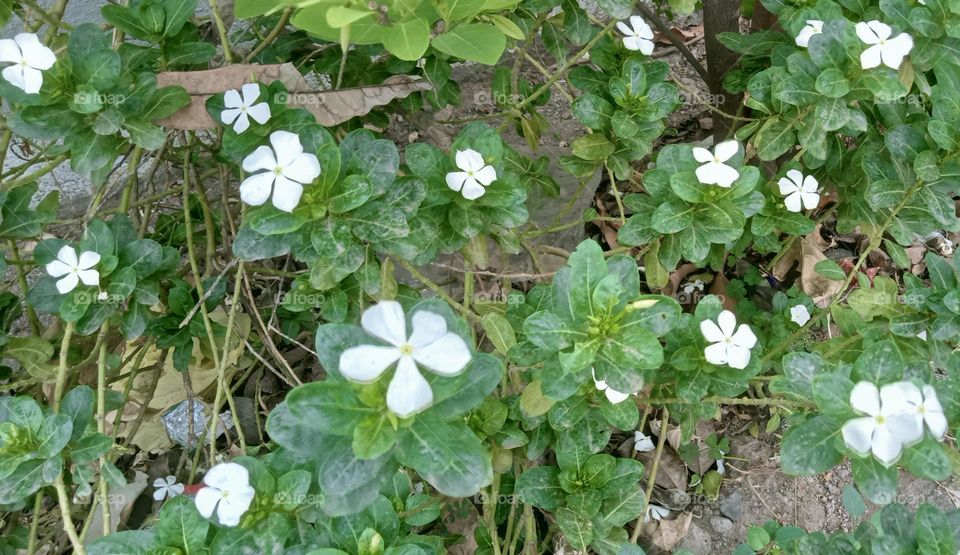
x=927 y=409
x=730 y=345
x=166 y=488
x=475 y=174
x=714 y=171
x=637 y=36
x=799 y=315
x=800 y=192
x=227 y=489
x=429 y=345
x=813 y=27
x=612 y=395
x=891 y=420
x=642 y=443
x=30 y=59
x=882 y=48
x=287 y=168
x=73 y=270
x=239 y=109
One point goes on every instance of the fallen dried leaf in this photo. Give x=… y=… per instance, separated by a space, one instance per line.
x=670 y=532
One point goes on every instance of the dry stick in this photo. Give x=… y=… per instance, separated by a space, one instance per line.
x=101 y=423
x=271 y=346
x=436 y=289
x=665 y=419
x=674 y=39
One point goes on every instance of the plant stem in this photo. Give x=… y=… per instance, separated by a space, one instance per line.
x=651 y=479
x=222 y=31
x=35 y=326
x=101 y=424
x=62 y=370
x=271 y=36
x=68 y=527
x=437 y=289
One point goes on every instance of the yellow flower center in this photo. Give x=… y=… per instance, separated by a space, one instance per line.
x=406 y=349
x=278 y=171
x=880 y=419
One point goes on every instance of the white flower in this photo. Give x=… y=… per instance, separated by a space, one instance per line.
x=813 y=27
x=30 y=58
x=799 y=314
x=288 y=169
x=691 y=286
x=800 y=192
x=891 y=420
x=227 y=490
x=714 y=171
x=655 y=512
x=612 y=395
x=732 y=349
x=637 y=36
x=166 y=488
x=240 y=110
x=927 y=409
x=890 y=51
x=642 y=442
x=429 y=345
x=475 y=175
x=74 y=270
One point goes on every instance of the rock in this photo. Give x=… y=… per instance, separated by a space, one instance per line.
x=697 y=540
x=731 y=506
x=721 y=525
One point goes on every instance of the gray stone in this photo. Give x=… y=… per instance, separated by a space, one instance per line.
x=731 y=505
x=721 y=525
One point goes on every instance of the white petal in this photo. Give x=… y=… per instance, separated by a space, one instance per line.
x=227 y=476
x=866 y=34
x=251 y=92
x=14 y=75
x=68 y=255
x=260 y=159
x=260 y=112
x=803 y=37
x=725 y=175
x=895 y=49
x=702 y=155
x=727 y=322
x=643 y=30
x=366 y=363
x=34 y=52
x=601 y=385
x=810 y=200
x=9 y=51
x=930 y=399
x=385 y=320
x=447 y=356
x=287 y=147
x=870 y=58
x=716 y=353
x=636 y=23
x=800 y=315
x=633 y=43
x=809 y=185
x=738 y=357
x=58 y=268
x=858 y=432
x=229 y=115
x=486 y=175
x=88 y=259
x=726 y=150
x=231 y=99
x=787 y=186
x=937 y=423
x=304 y=169
x=865 y=398
x=744 y=337
x=455 y=180
x=286 y=194
x=206 y=501
x=907 y=428
x=621 y=26
x=427 y=328
x=89 y=277
x=408 y=391
x=615 y=396
x=795 y=177
x=255 y=190
x=472 y=189
x=882 y=30
x=646 y=46
x=885 y=446
x=711 y=332
x=900 y=397
x=242 y=124
x=793 y=202
x=68 y=283
x=159 y=494
x=233 y=506
x=469 y=160
x=175 y=490
x=160 y=483
x=642 y=443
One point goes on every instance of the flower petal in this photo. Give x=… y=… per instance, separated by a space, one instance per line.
x=469 y=160
x=937 y=423
x=858 y=432
x=744 y=337
x=68 y=255
x=865 y=398
x=793 y=202
x=711 y=332
x=727 y=322
x=227 y=476
x=907 y=428
x=9 y=51
x=242 y=123
x=885 y=446
x=89 y=277
x=871 y=57
x=642 y=443
x=427 y=328
x=621 y=26
x=255 y=190
x=159 y=494
x=900 y=397
x=725 y=175
x=809 y=185
x=472 y=189
x=366 y=363
x=738 y=357
x=702 y=155
x=447 y=356
x=260 y=112
x=58 y=268
x=260 y=159
x=206 y=501
x=810 y=200
x=229 y=115
x=251 y=92
x=646 y=46
x=633 y=43
x=287 y=147
x=408 y=391
x=88 y=259
x=233 y=507
x=787 y=186
x=716 y=353
x=286 y=194
x=881 y=29
x=455 y=180
x=385 y=320
x=866 y=34
x=615 y=396
x=231 y=99
x=34 y=52
x=14 y=75
x=726 y=150
x=895 y=50
x=486 y=175
x=303 y=169
x=68 y=283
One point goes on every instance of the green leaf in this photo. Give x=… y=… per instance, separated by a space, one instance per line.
x=830 y=270
x=809 y=448
x=374 y=436
x=592 y=110
x=292 y=489
x=476 y=42
x=447 y=455
x=877 y=482
x=407 y=40
x=499 y=331
x=593 y=147
x=180 y=525
x=539 y=487
x=853 y=501
x=334 y=407
x=927 y=459
x=576 y=529
x=935 y=536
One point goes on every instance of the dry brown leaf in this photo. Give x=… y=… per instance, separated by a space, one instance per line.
x=670 y=532
x=329 y=107
x=820 y=289
x=121 y=503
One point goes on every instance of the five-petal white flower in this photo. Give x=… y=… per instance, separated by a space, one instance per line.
x=475 y=174
x=227 y=490
x=29 y=57
x=889 y=424
x=239 y=110
x=800 y=192
x=799 y=314
x=728 y=347
x=429 y=345
x=642 y=443
x=637 y=35
x=889 y=51
x=612 y=395
x=714 y=171
x=73 y=270
x=813 y=27
x=166 y=488
x=288 y=169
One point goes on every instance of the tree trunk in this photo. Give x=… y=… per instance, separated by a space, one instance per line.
x=721 y=16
